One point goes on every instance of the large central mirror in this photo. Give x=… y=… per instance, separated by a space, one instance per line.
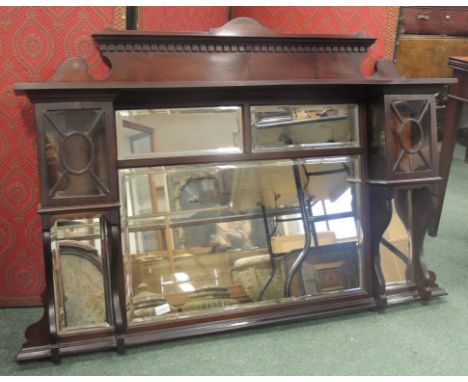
x=204 y=239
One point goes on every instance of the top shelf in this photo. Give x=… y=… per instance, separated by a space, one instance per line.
x=44 y=86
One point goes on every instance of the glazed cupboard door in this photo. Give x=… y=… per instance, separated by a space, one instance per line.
x=403 y=138
x=76 y=153
x=411 y=136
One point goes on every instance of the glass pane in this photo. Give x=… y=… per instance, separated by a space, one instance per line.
x=80 y=274
x=411 y=129
x=395 y=246
x=202 y=239
x=76 y=153
x=293 y=127
x=153 y=133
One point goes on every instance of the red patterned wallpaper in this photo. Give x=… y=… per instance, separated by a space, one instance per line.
x=378 y=22
x=178 y=19
x=34 y=42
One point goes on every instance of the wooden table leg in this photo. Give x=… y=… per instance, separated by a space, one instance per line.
x=454 y=109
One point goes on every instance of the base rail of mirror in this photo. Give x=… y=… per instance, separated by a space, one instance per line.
x=139 y=337
x=405 y=295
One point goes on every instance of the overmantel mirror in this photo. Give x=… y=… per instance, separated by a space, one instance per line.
x=227 y=179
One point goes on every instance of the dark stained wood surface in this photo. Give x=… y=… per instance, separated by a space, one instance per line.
x=240 y=50
x=100 y=85
x=241 y=63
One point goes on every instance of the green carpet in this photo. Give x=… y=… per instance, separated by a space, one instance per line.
x=413 y=339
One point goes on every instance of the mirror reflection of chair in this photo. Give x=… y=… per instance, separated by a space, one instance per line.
x=314 y=183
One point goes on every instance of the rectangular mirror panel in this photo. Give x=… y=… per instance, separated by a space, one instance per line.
x=395 y=245
x=81 y=280
x=293 y=127
x=203 y=239
x=153 y=133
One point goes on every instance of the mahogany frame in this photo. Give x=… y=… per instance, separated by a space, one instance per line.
x=241 y=63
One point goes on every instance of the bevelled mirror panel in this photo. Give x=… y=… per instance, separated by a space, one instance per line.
x=294 y=127
x=206 y=239
x=80 y=272
x=153 y=133
x=395 y=245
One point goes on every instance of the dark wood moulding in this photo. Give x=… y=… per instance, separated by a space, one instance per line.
x=244 y=64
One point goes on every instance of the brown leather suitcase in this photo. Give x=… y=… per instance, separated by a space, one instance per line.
x=427 y=56
x=451 y=21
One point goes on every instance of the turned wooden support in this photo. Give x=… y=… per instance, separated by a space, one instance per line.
x=380 y=216
x=423 y=215
x=417 y=208
x=116 y=274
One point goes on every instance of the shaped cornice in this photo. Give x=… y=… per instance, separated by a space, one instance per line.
x=240 y=53
x=241 y=50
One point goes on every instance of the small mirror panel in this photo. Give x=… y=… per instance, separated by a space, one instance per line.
x=395 y=246
x=294 y=127
x=153 y=133
x=80 y=274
